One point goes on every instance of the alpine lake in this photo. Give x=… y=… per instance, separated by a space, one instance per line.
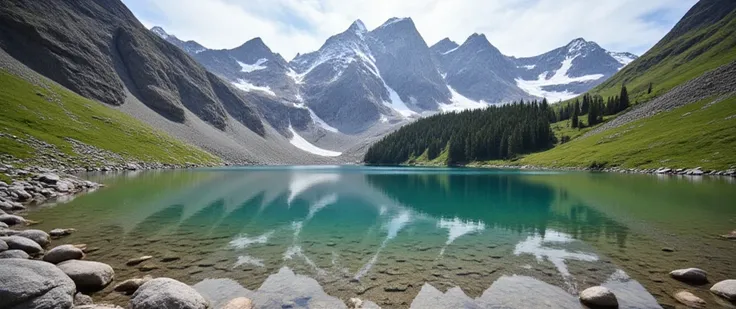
x=407 y=237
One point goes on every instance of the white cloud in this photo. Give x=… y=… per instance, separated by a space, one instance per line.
x=516 y=27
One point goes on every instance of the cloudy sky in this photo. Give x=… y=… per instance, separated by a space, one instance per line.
x=517 y=27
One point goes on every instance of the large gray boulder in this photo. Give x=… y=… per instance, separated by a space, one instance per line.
x=725 y=289
x=12 y=219
x=49 y=178
x=82 y=299
x=599 y=296
x=39 y=236
x=14 y=254
x=21 y=243
x=3 y=245
x=29 y=284
x=690 y=275
x=3 y=225
x=88 y=275
x=63 y=253
x=166 y=293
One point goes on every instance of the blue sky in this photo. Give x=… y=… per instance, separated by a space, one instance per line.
x=517 y=27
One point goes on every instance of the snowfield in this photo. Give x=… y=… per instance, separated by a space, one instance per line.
x=247 y=68
x=536 y=87
x=301 y=143
x=248 y=87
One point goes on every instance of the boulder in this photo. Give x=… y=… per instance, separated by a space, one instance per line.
x=63 y=253
x=3 y=245
x=599 y=296
x=39 y=236
x=8 y=232
x=88 y=275
x=21 y=243
x=14 y=254
x=3 y=225
x=82 y=299
x=34 y=284
x=690 y=275
x=49 y=178
x=725 y=289
x=98 y=306
x=239 y=303
x=166 y=293
x=12 y=219
x=690 y=300
x=56 y=233
x=136 y=261
x=129 y=286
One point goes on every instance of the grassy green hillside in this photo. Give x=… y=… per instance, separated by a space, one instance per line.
x=694 y=135
x=702 y=41
x=33 y=114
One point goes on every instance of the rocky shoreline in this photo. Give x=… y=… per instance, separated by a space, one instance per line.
x=698 y=171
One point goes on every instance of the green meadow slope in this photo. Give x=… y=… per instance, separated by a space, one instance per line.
x=45 y=124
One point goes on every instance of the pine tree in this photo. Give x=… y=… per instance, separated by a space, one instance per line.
x=649 y=91
x=575 y=122
x=624 y=99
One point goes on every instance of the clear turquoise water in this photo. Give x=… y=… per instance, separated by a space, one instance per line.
x=381 y=234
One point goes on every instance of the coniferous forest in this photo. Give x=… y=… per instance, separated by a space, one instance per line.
x=497 y=132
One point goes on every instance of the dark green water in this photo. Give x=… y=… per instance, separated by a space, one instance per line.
x=381 y=234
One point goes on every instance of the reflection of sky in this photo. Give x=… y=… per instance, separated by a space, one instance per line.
x=457 y=228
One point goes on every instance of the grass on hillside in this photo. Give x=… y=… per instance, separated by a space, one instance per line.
x=698 y=134
x=54 y=113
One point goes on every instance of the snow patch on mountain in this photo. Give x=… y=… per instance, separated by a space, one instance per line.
x=301 y=143
x=536 y=87
x=258 y=65
x=528 y=67
x=396 y=103
x=392 y=21
x=460 y=103
x=318 y=121
x=248 y=87
x=451 y=50
x=623 y=58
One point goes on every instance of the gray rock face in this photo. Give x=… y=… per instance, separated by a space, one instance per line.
x=22 y=243
x=63 y=253
x=88 y=275
x=599 y=296
x=14 y=254
x=690 y=275
x=190 y=47
x=34 y=285
x=725 y=289
x=40 y=237
x=166 y=293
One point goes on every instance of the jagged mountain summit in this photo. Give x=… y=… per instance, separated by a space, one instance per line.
x=191 y=47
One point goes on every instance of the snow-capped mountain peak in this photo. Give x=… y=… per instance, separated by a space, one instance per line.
x=444 y=46
x=191 y=47
x=358 y=27
x=623 y=57
x=396 y=21
x=160 y=32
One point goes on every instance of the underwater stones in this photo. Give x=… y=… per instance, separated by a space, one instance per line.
x=730 y=235
x=725 y=289
x=56 y=233
x=355 y=303
x=396 y=288
x=129 y=286
x=88 y=275
x=39 y=236
x=167 y=293
x=599 y=296
x=690 y=275
x=63 y=253
x=136 y=261
x=34 y=284
x=690 y=300
x=22 y=243
x=239 y=303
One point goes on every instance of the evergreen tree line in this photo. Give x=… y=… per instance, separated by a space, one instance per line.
x=595 y=107
x=497 y=132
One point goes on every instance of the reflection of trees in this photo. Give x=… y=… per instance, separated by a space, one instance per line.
x=498 y=200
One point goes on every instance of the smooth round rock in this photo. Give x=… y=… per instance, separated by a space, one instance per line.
x=61 y=232
x=136 y=261
x=21 y=243
x=599 y=296
x=239 y=303
x=49 y=178
x=14 y=254
x=34 y=284
x=63 y=253
x=12 y=219
x=725 y=289
x=690 y=275
x=40 y=237
x=690 y=300
x=3 y=225
x=98 y=306
x=3 y=245
x=167 y=293
x=82 y=299
x=129 y=286
x=88 y=275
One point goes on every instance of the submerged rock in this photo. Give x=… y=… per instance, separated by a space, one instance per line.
x=39 y=236
x=166 y=293
x=239 y=303
x=21 y=243
x=599 y=296
x=14 y=254
x=129 y=286
x=689 y=299
x=690 y=275
x=725 y=289
x=88 y=275
x=61 y=232
x=34 y=284
x=63 y=253
x=136 y=261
